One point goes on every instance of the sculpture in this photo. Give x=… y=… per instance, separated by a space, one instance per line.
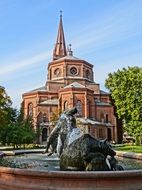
x=59 y=136
x=78 y=151
x=90 y=154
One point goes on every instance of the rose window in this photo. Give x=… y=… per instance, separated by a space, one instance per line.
x=73 y=71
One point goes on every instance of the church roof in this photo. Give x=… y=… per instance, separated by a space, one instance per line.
x=71 y=58
x=41 y=89
x=75 y=85
x=68 y=57
x=92 y=122
x=99 y=103
x=86 y=121
x=50 y=102
x=103 y=92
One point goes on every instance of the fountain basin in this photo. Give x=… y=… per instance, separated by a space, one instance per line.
x=15 y=179
x=50 y=178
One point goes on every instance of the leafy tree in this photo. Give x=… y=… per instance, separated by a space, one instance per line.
x=28 y=134
x=55 y=116
x=14 y=135
x=14 y=129
x=126 y=90
x=18 y=133
x=7 y=114
x=5 y=106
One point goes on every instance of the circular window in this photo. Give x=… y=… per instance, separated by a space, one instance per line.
x=88 y=74
x=73 y=71
x=57 y=72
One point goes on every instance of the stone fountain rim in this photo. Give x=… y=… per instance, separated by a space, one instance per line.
x=72 y=174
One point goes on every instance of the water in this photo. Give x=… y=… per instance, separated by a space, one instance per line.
x=40 y=161
x=130 y=164
x=32 y=161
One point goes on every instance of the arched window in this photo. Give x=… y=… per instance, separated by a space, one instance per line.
x=89 y=108
x=45 y=119
x=40 y=118
x=106 y=118
x=44 y=134
x=79 y=107
x=65 y=105
x=57 y=72
x=30 y=110
x=87 y=74
x=102 y=116
x=100 y=133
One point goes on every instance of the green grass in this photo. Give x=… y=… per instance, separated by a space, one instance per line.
x=130 y=148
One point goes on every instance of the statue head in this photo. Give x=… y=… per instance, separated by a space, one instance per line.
x=72 y=111
x=106 y=148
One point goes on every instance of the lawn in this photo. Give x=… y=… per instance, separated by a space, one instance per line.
x=130 y=148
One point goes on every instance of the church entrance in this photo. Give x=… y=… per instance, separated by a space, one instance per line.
x=44 y=134
x=109 y=134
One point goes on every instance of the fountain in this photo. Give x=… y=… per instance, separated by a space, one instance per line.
x=78 y=151
x=85 y=162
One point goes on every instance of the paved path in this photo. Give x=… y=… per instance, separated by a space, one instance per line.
x=24 y=151
x=129 y=155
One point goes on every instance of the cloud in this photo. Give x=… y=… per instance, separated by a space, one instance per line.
x=113 y=65
x=16 y=95
x=18 y=65
x=108 y=30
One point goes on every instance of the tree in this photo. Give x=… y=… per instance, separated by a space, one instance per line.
x=5 y=106
x=28 y=133
x=126 y=90
x=55 y=116
x=7 y=114
x=14 y=129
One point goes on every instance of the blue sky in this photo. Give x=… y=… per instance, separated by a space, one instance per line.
x=106 y=33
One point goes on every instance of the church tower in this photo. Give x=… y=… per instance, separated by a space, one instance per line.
x=60 y=46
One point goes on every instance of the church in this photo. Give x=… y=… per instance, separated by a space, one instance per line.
x=70 y=83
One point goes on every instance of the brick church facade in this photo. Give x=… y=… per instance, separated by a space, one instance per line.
x=70 y=82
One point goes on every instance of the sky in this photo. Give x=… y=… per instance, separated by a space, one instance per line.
x=106 y=33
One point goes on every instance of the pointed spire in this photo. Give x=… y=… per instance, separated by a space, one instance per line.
x=60 y=46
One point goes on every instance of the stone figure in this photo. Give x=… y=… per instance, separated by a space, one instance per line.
x=59 y=135
x=86 y=153
x=78 y=151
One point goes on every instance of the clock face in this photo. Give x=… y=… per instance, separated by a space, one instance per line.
x=57 y=72
x=73 y=71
